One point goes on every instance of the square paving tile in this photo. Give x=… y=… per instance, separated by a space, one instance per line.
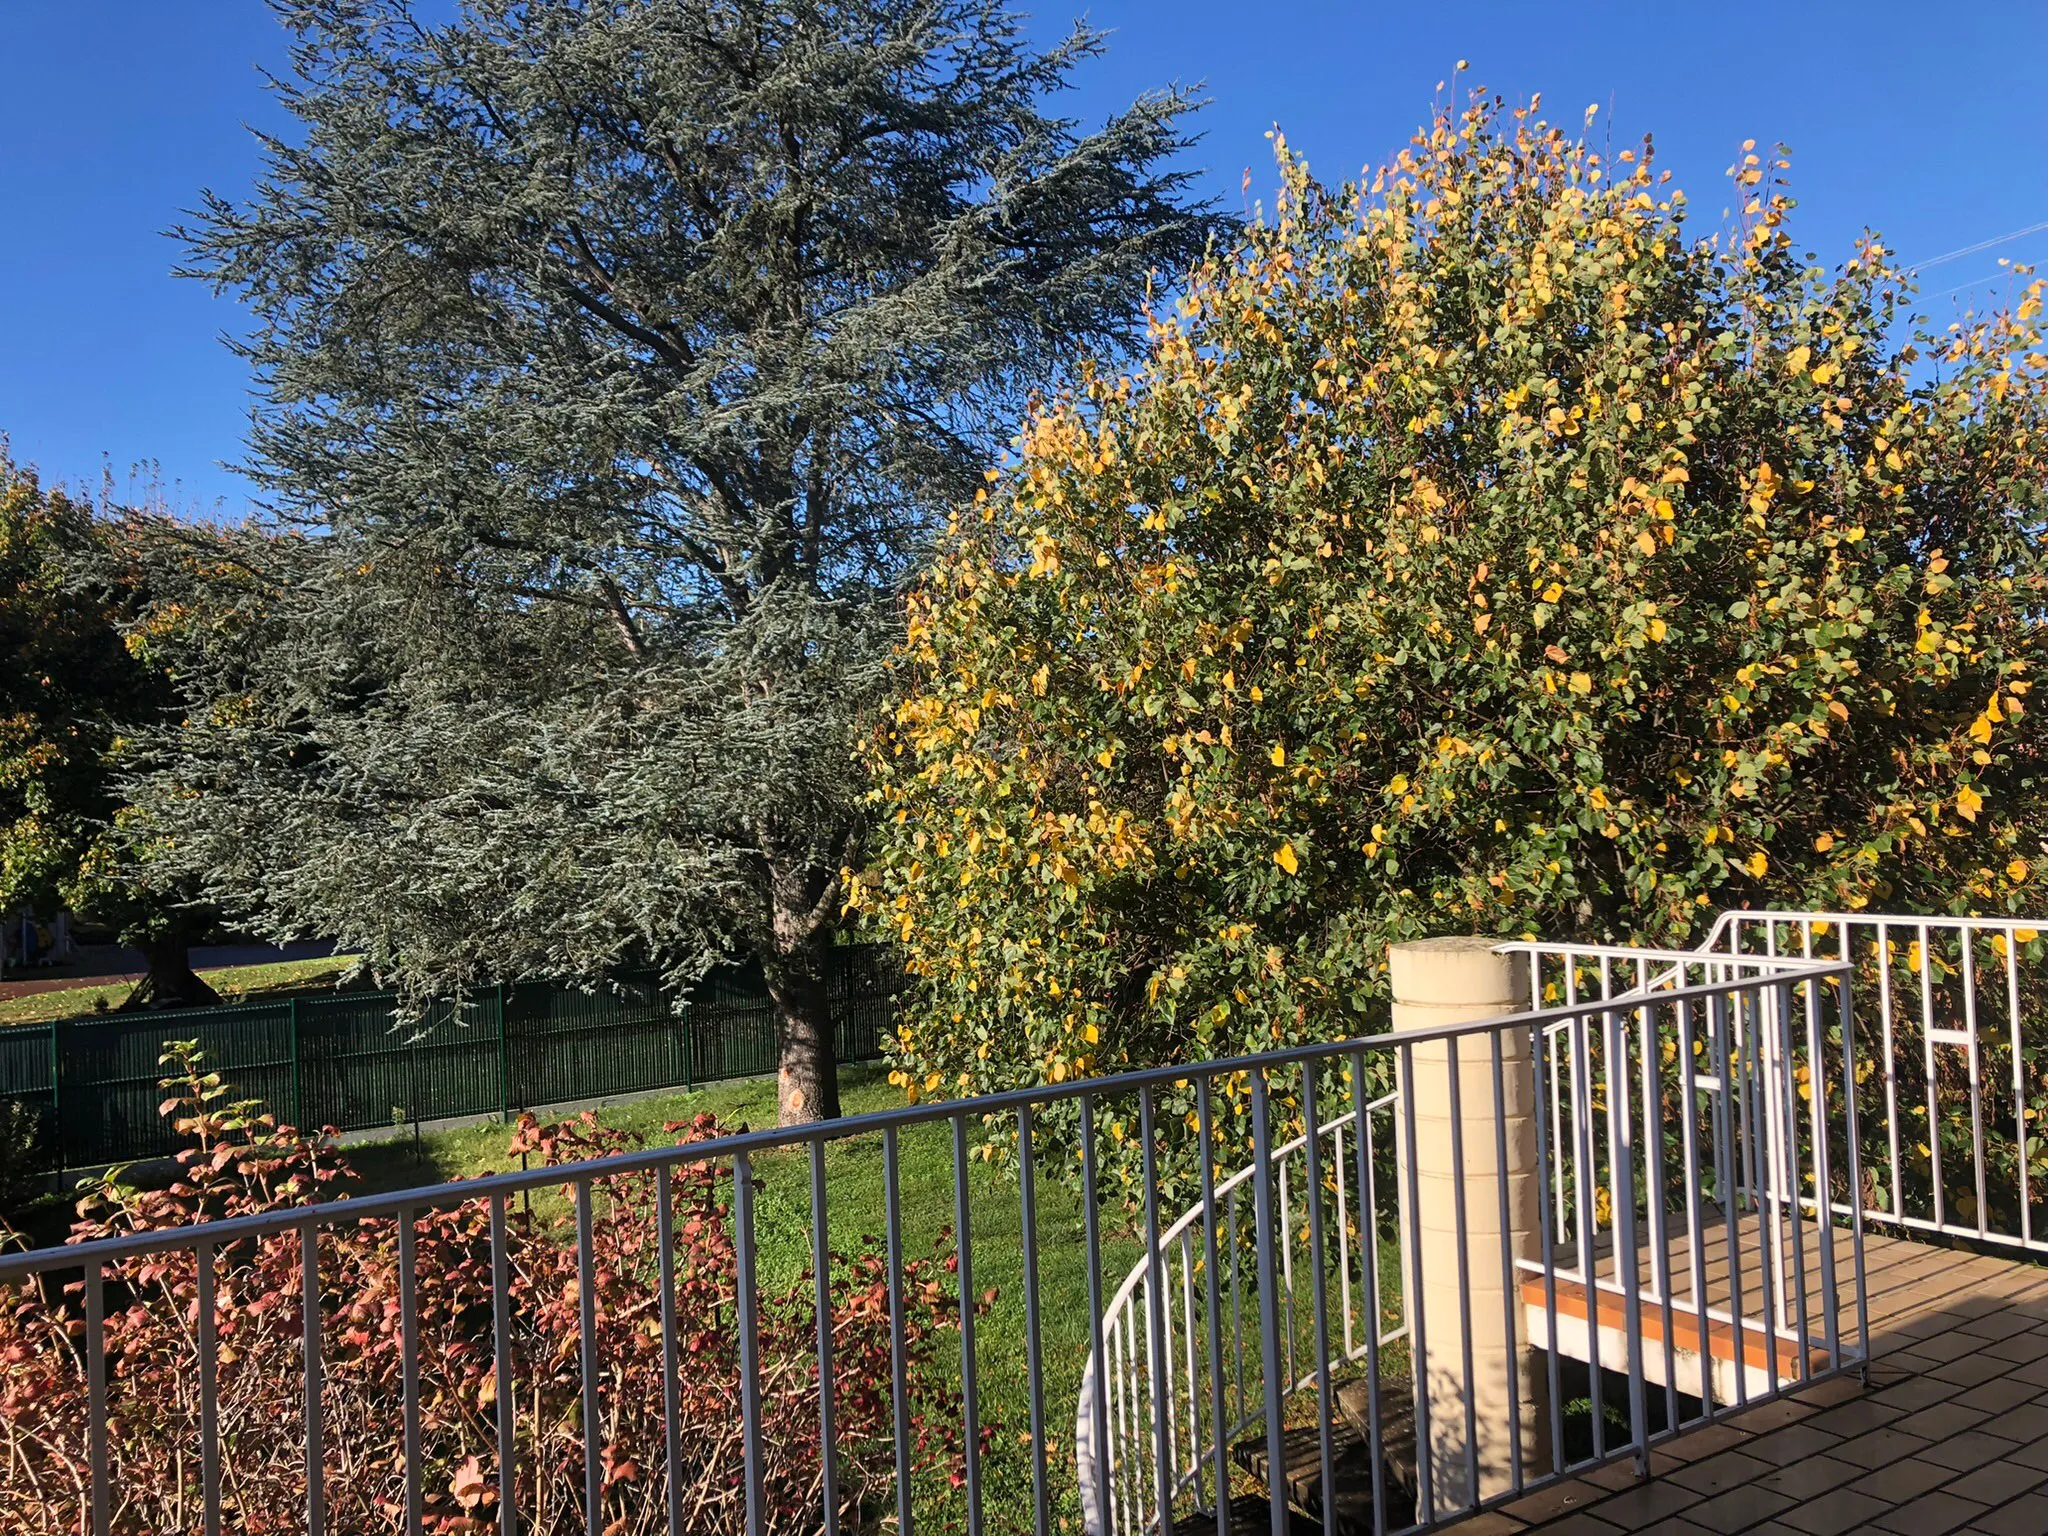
x=1997 y=1481
x=1774 y=1415
x=1580 y=1524
x=1971 y=1369
x=1739 y=1508
x=1972 y=1448
x=1698 y=1444
x=1782 y=1447
x=1997 y=1395
x=1547 y=1503
x=1905 y=1480
x=1998 y=1325
x=1932 y=1514
x=1717 y=1474
x=1827 y=1393
x=2020 y=1348
x=1943 y=1346
x=1922 y=1391
x=2027 y=1422
x=1646 y=1503
x=2034 y=1371
x=1814 y=1476
x=2026 y=1516
x=1839 y=1511
x=1943 y=1420
x=1859 y=1417
x=1879 y=1447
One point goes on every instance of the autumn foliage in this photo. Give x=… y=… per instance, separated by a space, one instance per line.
x=241 y=1161
x=1475 y=549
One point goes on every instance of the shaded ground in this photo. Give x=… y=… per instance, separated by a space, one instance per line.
x=43 y=998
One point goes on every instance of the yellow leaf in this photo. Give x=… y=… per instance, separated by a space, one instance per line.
x=1106 y=756
x=1797 y=359
x=1981 y=730
x=1279 y=756
x=1581 y=683
x=1968 y=803
x=1825 y=373
x=1824 y=842
x=1646 y=541
x=1552 y=593
x=1758 y=865
x=1399 y=786
x=1284 y=857
x=2016 y=871
x=1658 y=628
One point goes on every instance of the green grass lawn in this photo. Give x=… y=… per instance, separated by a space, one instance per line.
x=235 y=984
x=855 y=1209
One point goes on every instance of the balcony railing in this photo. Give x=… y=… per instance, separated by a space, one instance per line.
x=1387 y=1281
x=1686 y=1107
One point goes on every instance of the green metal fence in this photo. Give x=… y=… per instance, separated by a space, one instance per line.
x=90 y=1085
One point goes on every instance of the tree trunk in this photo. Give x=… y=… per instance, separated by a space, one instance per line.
x=171 y=982
x=807 y=1079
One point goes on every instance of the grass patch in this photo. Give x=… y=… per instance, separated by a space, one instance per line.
x=855 y=1210
x=925 y=1169
x=234 y=983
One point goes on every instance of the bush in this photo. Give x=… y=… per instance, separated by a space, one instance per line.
x=241 y=1161
x=1475 y=550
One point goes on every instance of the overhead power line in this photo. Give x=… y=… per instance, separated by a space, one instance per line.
x=1981 y=245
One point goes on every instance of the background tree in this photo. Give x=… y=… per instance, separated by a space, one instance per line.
x=72 y=692
x=623 y=357
x=1475 y=550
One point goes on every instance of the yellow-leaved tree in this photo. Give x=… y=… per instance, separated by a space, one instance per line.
x=1475 y=549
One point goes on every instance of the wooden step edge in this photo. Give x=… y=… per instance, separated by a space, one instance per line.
x=1746 y=1351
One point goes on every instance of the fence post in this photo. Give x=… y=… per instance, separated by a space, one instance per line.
x=56 y=1095
x=504 y=1061
x=680 y=1012
x=292 y=1021
x=1451 y=981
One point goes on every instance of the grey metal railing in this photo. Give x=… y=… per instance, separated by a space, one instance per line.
x=1229 y=1337
x=1677 y=1271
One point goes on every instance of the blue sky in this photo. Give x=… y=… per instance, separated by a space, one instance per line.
x=1923 y=120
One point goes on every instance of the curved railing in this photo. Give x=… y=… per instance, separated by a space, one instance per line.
x=1207 y=1374
x=1670 y=1119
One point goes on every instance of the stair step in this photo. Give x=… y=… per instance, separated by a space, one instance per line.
x=1350 y=1463
x=1250 y=1515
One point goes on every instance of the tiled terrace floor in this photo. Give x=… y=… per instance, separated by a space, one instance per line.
x=1951 y=1434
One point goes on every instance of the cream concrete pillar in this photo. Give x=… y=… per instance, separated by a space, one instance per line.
x=1450 y=981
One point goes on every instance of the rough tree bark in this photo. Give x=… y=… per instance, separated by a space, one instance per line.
x=807 y=1076
x=170 y=982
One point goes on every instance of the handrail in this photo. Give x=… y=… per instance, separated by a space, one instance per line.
x=1660 y=981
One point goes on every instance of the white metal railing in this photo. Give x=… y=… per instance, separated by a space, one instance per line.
x=1952 y=1018
x=1357 y=1211
x=1688 y=1104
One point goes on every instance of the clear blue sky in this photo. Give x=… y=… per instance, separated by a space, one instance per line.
x=1927 y=121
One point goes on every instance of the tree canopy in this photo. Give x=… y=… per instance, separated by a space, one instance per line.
x=1475 y=549
x=74 y=692
x=616 y=363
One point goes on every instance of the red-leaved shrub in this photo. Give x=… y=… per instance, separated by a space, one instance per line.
x=241 y=1161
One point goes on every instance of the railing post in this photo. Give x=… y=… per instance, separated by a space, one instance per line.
x=1450 y=981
